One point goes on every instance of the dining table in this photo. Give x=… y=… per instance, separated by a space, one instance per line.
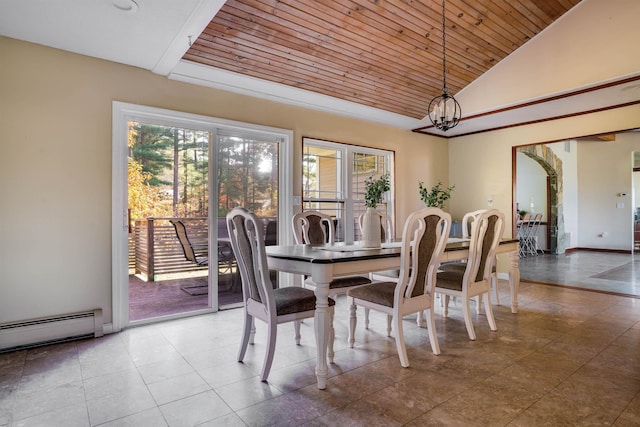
x=324 y=262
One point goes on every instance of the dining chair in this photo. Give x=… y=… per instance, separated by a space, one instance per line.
x=467 y=221
x=523 y=228
x=261 y=300
x=424 y=238
x=531 y=241
x=475 y=279
x=316 y=228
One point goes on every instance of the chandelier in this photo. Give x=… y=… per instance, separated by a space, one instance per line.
x=444 y=110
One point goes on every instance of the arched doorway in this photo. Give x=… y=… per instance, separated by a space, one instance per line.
x=552 y=165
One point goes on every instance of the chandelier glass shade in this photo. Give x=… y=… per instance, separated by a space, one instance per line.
x=444 y=110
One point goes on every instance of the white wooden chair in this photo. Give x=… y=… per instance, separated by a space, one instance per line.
x=423 y=241
x=467 y=221
x=475 y=279
x=261 y=300
x=316 y=228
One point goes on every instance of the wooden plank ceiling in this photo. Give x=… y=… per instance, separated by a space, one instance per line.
x=385 y=54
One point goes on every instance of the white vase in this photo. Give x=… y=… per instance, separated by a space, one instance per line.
x=371 y=229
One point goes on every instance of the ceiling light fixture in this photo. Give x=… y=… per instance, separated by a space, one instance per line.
x=444 y=110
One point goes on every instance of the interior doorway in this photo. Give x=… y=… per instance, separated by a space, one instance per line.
x=538 y=189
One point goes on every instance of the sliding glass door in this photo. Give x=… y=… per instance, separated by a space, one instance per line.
x=172 y=255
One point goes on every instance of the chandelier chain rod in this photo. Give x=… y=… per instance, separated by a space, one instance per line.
x=444 y=52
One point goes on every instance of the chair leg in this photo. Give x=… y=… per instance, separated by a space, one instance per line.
x=389 y=319
x=433 y=336
x=402 y=350
x=446 y=306
x=489 y=310
x=271 y=347
x=296 y=327
x=246 y=335
x=420 y=319
x=479 y=304
x=494 y=282
x=332 y=336
x=252 y=329
x=467 y=319
x=366 y=318
x=352 y=323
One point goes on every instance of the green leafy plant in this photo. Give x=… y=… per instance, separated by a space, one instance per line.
x=375 y=189
x=436 y=195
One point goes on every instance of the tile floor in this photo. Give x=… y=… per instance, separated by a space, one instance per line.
x=599 y=271
x=569 y=357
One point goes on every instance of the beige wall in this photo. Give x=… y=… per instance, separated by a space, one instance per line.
x=605 y=171
x=55 y=167
x=481 y=164
x=590 y=43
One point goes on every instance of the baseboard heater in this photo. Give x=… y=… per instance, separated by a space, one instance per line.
x=50 y=330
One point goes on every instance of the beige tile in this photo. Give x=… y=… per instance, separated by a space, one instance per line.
x=178 y=387
x=247 y=392
x=195 y=410
x=148 y=418
x=68 y=416
x=567 y=358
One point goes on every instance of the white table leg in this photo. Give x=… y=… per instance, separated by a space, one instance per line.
x=321 y=276
x=514 y=279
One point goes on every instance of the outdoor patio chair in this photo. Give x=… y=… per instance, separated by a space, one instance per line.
x=194 y=253
x=199 y=254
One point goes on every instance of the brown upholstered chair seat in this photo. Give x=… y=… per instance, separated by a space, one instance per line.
x=458 y=266
x=294 y=299
x=379 y=293
x=451 y=279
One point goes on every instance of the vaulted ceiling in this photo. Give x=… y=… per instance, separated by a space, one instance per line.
x=383 y=54
x=377 y=60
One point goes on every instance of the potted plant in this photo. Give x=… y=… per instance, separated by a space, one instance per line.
x=373 y=195
x=374 y=190
x=436 y=196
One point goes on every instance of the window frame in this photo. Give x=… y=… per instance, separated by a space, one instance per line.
x=122 y=113
x=345 y=181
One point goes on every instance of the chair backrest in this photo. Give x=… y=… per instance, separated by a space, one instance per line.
x=181 y=233
x=467 y=220
x=387 y=233
x=246 y=232
x=271 y=233
x=313 y=228
x=486 y=232
x=424 y=238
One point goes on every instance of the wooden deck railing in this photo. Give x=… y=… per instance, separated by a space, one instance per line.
x=157 y=250
x=154 y=248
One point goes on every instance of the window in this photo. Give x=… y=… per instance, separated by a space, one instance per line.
x=333 y=177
